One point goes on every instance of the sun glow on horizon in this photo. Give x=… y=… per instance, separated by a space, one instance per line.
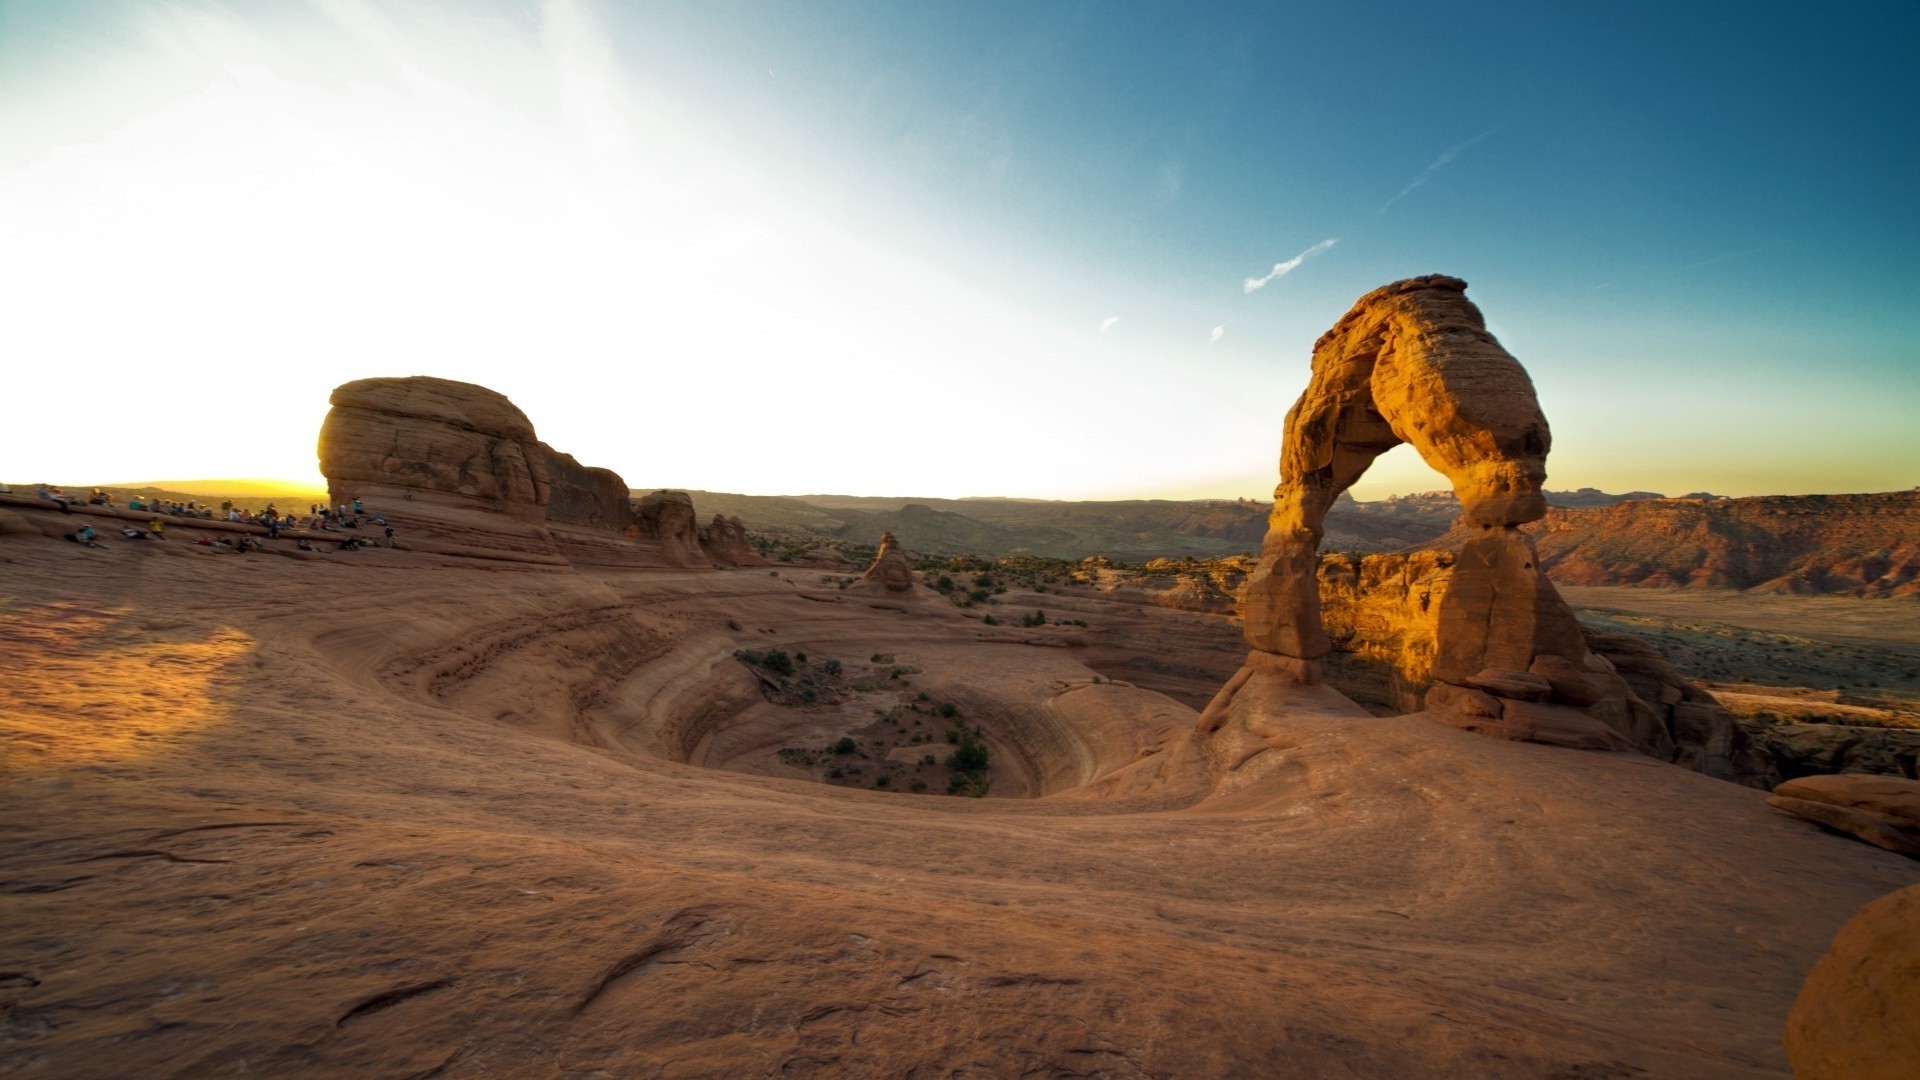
x=521 y=216
x=215 y=214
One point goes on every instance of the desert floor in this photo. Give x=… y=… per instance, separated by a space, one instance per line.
x=389 y=814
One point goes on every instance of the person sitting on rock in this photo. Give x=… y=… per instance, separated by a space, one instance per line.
x=157 y=529
x=132 y=533
x=84 y=535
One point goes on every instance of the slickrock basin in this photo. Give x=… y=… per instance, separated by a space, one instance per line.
x=404 y=814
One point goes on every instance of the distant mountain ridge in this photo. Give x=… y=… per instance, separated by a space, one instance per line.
x=1135 y=529
x=1852 y=545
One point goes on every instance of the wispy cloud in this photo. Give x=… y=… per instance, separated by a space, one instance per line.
x=1439 y=163
x=1106 y=324
x=1281 y=270
x=1218 y=332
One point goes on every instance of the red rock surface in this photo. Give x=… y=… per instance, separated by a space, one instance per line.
x=667 y=518
x=468 y=819
x=1881 y=810
x=890 y=571
x=1858 y=1016
x=441 y=441
x=725 y=542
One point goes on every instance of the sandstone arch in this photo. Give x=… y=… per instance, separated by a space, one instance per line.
x=1413 y=362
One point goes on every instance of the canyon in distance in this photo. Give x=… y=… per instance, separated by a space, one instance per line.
x=573 y=778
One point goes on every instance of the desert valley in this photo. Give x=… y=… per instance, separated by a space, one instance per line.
x=571 y=779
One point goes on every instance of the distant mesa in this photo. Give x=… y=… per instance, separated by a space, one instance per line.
x=890 y=571
x=458 y=469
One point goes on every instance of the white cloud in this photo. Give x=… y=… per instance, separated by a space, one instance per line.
x=1106 y=324
x=1281 y=270
x=1439 y=163
x=1218 y=333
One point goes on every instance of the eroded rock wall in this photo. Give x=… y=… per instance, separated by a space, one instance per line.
x=579 y=495
x=667 y=518
x=435 y=441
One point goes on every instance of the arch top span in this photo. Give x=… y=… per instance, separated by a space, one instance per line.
x=1413 y=362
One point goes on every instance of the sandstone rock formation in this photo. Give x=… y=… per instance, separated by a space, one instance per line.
x=890 y=571
x=1882 y=810
x=578 y=495
x=439 y=441
x=1413 y=362
x=725 y=542
x=1858 y=1014
x=667 y=517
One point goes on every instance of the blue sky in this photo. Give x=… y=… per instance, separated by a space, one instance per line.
x=950 y=249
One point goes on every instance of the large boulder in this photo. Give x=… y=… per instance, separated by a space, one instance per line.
x=1858 y=1013
x=1882 y=810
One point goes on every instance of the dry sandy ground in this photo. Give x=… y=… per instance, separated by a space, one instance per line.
x=1822 y=658
x=396 y=815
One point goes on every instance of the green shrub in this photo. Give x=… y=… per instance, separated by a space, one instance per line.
x=971 y=757
x=846 y=745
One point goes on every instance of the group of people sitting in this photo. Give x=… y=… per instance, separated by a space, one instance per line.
x=155 y=530
x=319 y=519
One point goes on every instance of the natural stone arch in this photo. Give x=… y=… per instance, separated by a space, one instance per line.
x=1413 y=362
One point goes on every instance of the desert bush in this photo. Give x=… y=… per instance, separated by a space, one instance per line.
x=846 y=745
x=970 y=757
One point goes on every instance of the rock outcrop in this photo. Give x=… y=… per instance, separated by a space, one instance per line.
x=579 y=495
x=1858 y=1013
x=433 y=440
x=1882 y=810
x=724 y=539
x=458 y=470
x=667 y=518
x=1413 y=362
x=890 y=571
